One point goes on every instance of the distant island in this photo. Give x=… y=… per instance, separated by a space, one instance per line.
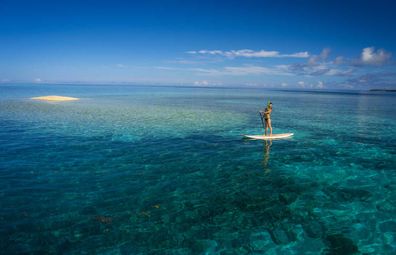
x=382 y=90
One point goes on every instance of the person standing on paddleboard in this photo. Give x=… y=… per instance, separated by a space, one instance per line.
x=267 y=118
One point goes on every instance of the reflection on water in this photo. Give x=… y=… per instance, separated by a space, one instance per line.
x=266 y=158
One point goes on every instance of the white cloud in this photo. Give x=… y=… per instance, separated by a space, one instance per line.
x=252 y=54
x=313 y=70
x=247 y=53
x=205 y=83
x=121 y=65
x=230 y=70
x=325 y=53
x=38 y=80
x=309 y=85
x=320 y=85
x=381 y=80
x=370 y=56
x=294 y=69
x=339 y=60
x=201 y=83
x=321 y=57
x=303 y=54
x=244 y=70
x=284 y=84
x=210 y=52
x=338 y=72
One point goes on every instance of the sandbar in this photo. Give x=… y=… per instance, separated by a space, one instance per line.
x=55 y=98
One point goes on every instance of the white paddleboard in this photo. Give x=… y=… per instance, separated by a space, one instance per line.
x=268 y=137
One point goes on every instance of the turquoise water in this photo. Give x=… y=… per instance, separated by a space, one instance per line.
x=162 y=170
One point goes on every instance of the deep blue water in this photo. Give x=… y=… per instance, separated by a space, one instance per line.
x=162 y=170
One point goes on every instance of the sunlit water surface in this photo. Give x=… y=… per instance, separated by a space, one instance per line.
x=163 y=170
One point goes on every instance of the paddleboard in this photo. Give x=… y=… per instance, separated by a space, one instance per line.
x=267 y=137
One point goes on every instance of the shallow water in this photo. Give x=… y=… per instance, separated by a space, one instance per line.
x=162 y=170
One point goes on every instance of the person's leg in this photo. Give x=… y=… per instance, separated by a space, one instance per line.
x=266 y=127
x=270 y=126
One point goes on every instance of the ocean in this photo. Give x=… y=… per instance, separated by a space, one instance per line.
x=165 y=170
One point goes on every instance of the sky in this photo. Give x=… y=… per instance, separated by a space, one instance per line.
x=274 y=44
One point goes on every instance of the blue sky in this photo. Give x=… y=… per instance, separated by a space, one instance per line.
x=277 y=44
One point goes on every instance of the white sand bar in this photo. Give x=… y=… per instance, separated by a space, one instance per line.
x=55 y=98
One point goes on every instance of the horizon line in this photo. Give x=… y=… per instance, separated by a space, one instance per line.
x=192 y=85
